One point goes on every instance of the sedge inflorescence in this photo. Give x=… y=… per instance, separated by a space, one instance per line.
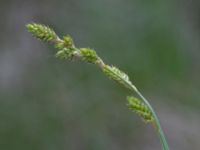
x=67 y=50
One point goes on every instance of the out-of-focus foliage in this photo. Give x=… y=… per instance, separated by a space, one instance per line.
x=46 y=104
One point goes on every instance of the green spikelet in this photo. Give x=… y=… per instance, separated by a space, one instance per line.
x=68 y=41
x=41 y=32
x=89 y=55
x=65 y=53
x=140 y=108
x=117 y=75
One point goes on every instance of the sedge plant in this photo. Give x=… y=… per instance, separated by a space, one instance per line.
x=68 y=51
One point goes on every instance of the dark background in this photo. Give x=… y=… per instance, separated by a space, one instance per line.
x=47 y=104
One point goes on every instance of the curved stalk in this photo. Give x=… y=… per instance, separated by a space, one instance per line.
x=159 y=128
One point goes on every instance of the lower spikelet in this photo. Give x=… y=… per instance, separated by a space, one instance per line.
x=140 y=108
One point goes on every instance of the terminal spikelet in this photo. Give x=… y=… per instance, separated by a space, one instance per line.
x=41 y=32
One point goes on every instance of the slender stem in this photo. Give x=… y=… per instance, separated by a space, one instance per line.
x=159 y=128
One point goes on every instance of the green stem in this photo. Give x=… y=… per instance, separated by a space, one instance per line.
x=159 y=128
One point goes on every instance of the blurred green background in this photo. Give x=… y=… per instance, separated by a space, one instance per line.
x=47 y=104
